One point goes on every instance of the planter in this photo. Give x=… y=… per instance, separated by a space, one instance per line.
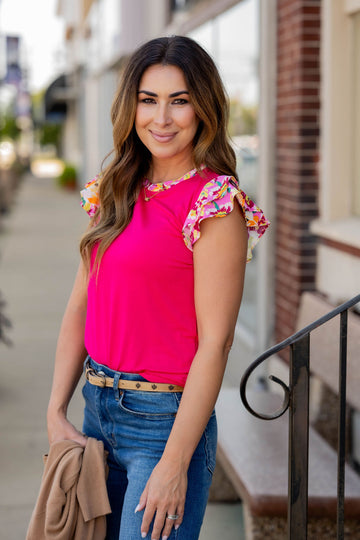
x=67 y=179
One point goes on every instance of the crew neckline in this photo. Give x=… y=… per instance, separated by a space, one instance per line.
x=160 y=186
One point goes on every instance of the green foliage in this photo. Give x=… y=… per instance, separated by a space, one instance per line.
x=9 y=128
x=37 y=98
x=47 y=133
x=243 y=119
x=50 y=134
x=68 y=177
x=37 y=105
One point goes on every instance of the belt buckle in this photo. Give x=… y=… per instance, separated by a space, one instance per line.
x=101 y=375
x=98 y=374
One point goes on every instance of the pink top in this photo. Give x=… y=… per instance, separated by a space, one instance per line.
x=141 y=314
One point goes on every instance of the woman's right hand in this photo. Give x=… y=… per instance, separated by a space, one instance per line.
x=60 y=429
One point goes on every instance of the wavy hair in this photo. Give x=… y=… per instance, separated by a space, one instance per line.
x=121 y=180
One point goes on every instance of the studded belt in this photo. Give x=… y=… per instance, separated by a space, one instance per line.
x=98 y=378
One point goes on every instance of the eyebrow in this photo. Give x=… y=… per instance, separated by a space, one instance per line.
x=152 y=94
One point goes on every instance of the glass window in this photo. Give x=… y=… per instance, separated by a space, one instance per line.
x=232 y=39
x=178 y=5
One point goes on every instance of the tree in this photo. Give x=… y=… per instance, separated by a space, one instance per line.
x=243 y=119
x=9 y=128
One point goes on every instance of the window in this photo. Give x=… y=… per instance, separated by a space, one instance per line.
x=179 y=5
x=338 y=227
x=232 y=40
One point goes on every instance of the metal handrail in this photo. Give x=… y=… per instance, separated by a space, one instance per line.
x=280 y=346
x=296 y=399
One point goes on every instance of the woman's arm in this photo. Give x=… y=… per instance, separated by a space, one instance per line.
x=219 y=266
x=69 y=359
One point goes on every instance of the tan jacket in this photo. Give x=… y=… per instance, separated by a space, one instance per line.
x=73 y=501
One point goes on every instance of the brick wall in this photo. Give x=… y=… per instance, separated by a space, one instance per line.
x=297 y=147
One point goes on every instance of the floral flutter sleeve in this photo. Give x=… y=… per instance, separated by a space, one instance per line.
x=90 y=196
x=217 y=200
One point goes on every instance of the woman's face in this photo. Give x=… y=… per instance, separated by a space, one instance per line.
x=165 y=121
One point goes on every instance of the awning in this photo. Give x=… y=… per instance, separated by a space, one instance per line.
x=56 y=99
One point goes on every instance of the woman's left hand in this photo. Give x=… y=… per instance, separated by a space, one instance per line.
x=164 y=494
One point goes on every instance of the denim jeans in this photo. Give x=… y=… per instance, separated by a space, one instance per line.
x=134 y=426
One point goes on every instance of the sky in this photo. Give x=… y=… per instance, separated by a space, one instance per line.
x=42 y=32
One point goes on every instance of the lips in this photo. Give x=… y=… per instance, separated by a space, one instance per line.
x=163 y=137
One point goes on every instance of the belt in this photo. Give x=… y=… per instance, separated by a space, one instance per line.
x=98 y=378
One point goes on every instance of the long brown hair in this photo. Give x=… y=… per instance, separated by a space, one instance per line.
x=121 y=179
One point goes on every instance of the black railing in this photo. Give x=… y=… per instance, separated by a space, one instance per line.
x=296 y=399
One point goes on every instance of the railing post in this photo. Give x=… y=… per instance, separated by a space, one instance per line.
x=298 y=439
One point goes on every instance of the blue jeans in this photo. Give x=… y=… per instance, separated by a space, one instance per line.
x=135 y=427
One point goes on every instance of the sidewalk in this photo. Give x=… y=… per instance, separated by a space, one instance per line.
x=38 y=261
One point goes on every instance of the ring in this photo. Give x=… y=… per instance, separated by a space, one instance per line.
x=172 y=516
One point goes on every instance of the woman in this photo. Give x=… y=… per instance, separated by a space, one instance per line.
x=157 y=295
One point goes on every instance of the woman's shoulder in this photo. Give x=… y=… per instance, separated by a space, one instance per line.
x=212 y=181
x=90 y=195
x=216 y=199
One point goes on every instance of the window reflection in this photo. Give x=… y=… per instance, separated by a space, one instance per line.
x=177 y=5
x=232 y=40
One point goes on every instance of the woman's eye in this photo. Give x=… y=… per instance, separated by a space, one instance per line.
x=180 y=101
x=148 y=100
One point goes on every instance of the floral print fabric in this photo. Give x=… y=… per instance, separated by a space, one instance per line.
x=156 y=188
x=90 y=196
x=90 y=193
x=217 y=200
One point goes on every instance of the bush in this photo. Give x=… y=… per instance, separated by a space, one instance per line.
x=9 y=128
x=50 y=134
x=67 y=178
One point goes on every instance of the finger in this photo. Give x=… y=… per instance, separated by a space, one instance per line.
x=142 y=500
x=77 y=436
x=170 y=523
x=159 y=523
x=69 y=434
x=80 y=439
x=147 y=517
x=180 y=511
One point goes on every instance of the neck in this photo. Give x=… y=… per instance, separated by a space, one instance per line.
x=162 y=171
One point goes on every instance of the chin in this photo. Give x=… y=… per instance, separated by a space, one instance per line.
x=165 y=153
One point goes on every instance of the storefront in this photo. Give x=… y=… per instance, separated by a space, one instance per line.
x=239 y=36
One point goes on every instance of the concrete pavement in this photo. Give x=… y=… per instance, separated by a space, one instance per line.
x=39 y=257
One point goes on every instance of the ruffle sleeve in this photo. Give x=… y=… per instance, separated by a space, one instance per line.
x=90 y=196
x=217 y=200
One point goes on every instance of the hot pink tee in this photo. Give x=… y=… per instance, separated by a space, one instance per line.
x=141 y=313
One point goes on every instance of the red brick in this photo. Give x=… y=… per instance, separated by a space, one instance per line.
x=297 y=155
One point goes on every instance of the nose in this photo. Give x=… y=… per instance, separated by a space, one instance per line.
x=162 y=115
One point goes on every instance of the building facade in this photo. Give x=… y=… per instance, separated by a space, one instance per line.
x=240 y=35
x=291 y=69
